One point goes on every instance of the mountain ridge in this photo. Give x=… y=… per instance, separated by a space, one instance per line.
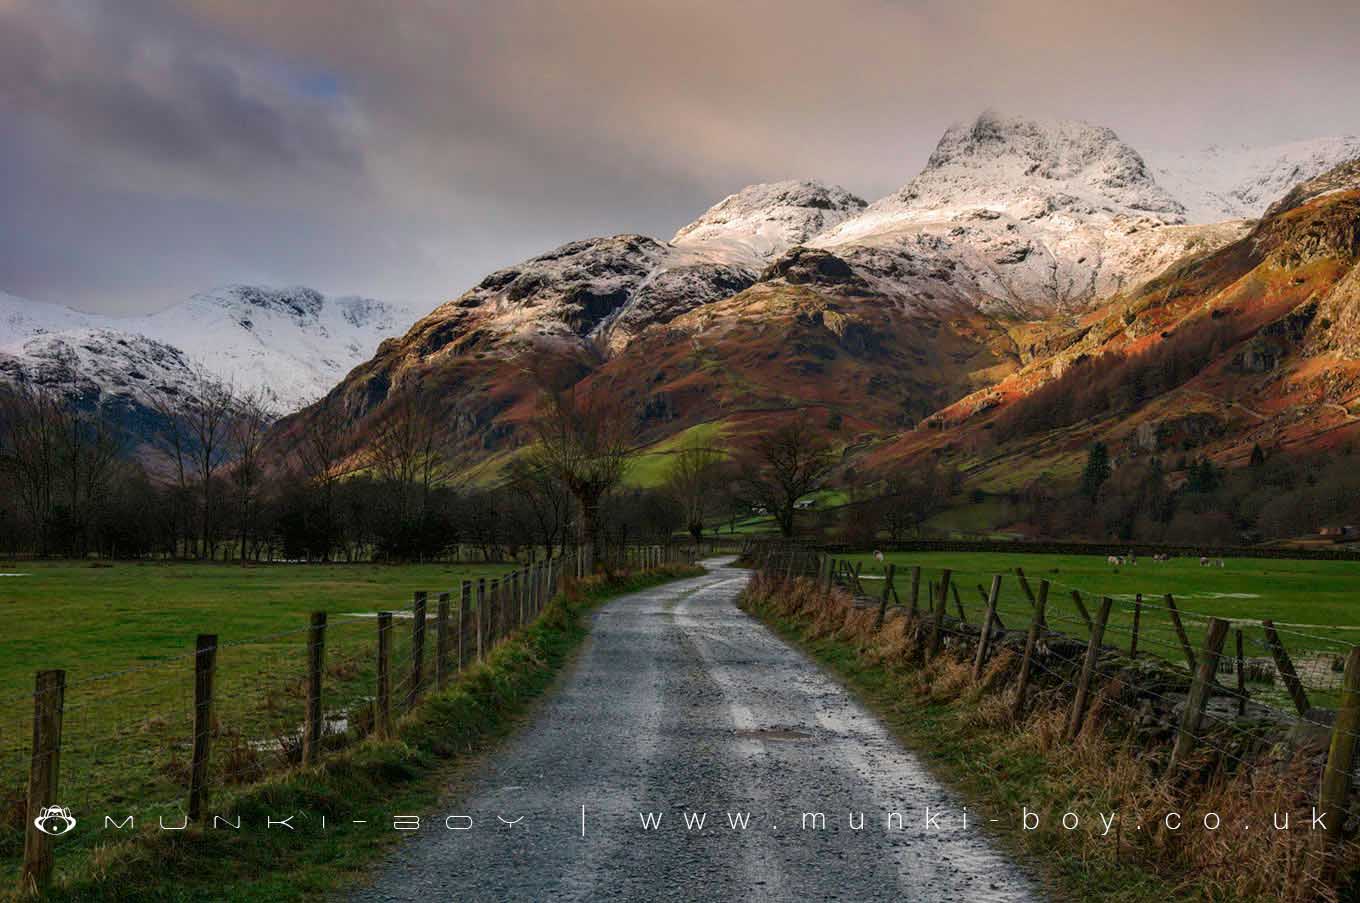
x=292 y=343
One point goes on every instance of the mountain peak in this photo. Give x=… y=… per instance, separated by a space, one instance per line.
x=762 y=221
x=1004 y=161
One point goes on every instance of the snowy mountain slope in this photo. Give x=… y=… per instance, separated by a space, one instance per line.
x=1024 y=217
x=600 y=293
x=292 y=343
x=1220 y=183
x=99 y=366
x=295 y=342
x=763 y=221
x=595 y=293
x=796 y=293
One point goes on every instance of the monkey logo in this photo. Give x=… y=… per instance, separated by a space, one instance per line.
x=54 y=820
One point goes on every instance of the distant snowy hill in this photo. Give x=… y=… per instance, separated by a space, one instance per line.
x=1221 y=183
x=293 y=343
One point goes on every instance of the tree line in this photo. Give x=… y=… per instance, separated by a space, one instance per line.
x=210 y=482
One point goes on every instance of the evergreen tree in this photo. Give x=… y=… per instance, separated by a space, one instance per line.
x=1203 y=478
x=1097 y=470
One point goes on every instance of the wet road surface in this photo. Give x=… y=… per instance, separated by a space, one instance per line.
x=680 y=706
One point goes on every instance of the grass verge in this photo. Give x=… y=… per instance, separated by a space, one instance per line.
x=367 y=782
x=964 y=731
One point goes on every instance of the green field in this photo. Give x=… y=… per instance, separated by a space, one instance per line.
x=1314 y=604
x=125 y=636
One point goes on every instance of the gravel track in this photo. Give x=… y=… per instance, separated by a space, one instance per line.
x=681 y=703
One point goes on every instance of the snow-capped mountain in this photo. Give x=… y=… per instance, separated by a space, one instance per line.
x=1021 y=216
x=1220 y=183
x=601 y=292
x=594 y=292
x=763 y=221
x=292 y=344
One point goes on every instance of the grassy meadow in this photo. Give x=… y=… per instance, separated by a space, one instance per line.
x=125 y=636
x=355 y=788
x=95 y=619
x=1315 y=604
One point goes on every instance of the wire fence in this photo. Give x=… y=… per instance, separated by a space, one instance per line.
x=162 y=741
x=1208 y=696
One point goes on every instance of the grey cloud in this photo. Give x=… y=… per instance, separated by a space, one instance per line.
x=466 y=135
x=159 y=98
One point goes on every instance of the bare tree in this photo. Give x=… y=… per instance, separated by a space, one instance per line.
x=245 y=438
x=406 y=451
x=547 y=500
x=787 y=464
x=694 y=481
x=410 y=460
x=29 y=453
x=320 y=454
x=585 y=442
x=171 y=440
x=59 y=460
x=89 y=449
x=208 y=418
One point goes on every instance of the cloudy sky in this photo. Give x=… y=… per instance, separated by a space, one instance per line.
x=403 y=148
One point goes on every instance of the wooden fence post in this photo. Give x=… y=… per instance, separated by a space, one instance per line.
x=384 y=701
x=44 y=769
x=1193 y=715
x=1180 y=630
x=316 y=666
x=1088 y=668
x=937 y=621
x=506 y=611
x=1336 y=778
x=493 y=610
x=1081 y=610
x=1036 y=627
x=958 y=604
x=887 y=588
x=464 y=623
x=480 y=619
x=521 y=585
x=1024 y=586
x=1241 y=676
x=1286 y=668
x=205 y=665
x=441 y=642
x=985 y=636
x=996 y=615
x=417 y=650
x=915 y=589
x=1133 y=635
